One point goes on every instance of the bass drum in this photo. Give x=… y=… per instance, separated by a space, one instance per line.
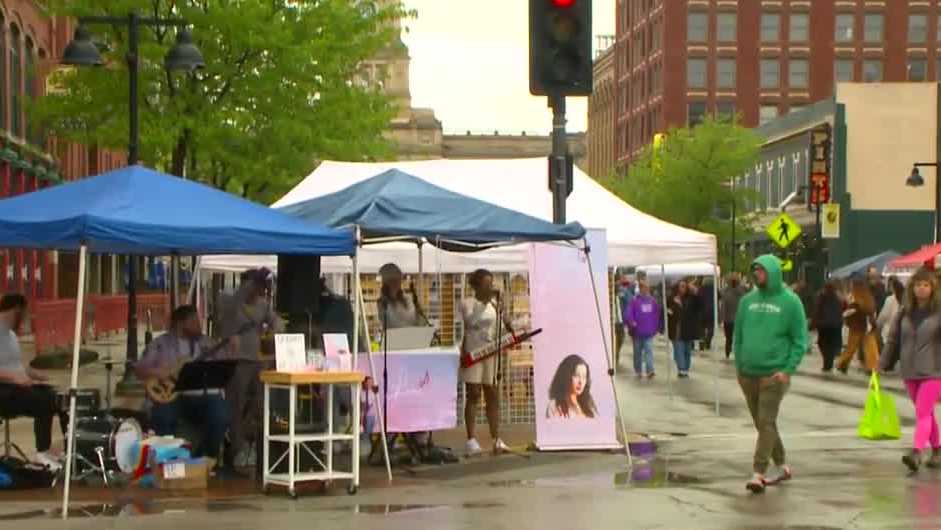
x=118 y=438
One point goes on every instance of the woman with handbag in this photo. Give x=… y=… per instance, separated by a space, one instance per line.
x=915 y=341
x=860 y=317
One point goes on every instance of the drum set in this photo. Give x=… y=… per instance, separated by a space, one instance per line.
x=107 y=440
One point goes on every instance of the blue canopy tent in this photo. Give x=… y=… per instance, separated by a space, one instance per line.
x=878 y=261
x=395 y=205
x=139 y=211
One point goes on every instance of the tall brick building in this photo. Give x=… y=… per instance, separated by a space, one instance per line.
x=31 y=43
x=679 y=60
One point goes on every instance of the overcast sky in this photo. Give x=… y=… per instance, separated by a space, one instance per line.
x=470 y=63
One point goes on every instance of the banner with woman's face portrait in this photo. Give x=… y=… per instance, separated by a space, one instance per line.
x=575 y=406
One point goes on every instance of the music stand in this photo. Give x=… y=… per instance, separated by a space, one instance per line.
x=205 y=375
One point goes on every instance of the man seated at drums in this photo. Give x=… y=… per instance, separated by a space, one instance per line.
x=23 y=390
x=205 y=409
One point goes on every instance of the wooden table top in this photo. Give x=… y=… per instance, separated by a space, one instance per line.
x=310 y=378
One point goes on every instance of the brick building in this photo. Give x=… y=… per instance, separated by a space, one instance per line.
x=678 y=60
x=602 y=105
x=30 y=44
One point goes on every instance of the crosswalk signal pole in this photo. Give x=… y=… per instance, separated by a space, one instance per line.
x=560 y=172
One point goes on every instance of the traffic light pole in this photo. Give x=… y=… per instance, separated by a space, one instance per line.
x=560 y=151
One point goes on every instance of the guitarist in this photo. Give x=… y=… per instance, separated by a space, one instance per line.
x=480 y=315
x=162 y=359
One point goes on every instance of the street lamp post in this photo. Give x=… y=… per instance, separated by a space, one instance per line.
x=184 y=55
x=915 y=180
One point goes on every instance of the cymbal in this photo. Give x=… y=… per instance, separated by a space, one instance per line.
x=62 y=360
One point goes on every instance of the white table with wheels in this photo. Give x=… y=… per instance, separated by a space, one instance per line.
x=298 y=442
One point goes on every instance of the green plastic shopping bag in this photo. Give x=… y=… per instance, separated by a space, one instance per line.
x=880 y=420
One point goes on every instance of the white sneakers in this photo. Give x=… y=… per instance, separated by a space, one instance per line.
x=473 y=448
x=48 y=460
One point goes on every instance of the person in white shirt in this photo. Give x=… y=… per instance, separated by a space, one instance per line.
x=23 y=390
x=480 y=329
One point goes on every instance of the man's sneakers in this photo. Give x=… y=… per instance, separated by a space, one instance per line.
x=778 y=475
x=499 y=447
x=48 y=460
x=756 y=484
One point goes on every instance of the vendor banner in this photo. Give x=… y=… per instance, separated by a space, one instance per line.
x=422 y=389
x=575 y=406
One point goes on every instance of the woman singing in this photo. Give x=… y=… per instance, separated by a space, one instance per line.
x=480 y=329
x=396 y=309
x=570 y=391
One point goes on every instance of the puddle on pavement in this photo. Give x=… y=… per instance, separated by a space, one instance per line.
x=130 y=509
x=654 y=473
x=390 y=509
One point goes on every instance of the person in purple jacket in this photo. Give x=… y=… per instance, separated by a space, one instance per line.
x=644 y=320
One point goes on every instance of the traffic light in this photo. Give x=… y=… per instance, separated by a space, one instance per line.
x=560 y=61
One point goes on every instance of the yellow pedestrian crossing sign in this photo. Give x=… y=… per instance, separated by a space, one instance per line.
x=783 y=230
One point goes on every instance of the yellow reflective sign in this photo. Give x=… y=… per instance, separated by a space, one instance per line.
x=783 y=230
x=787 y=265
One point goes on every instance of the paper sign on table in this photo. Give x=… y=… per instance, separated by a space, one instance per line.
x=175 y=470
x=336 y=346
x=290 y=353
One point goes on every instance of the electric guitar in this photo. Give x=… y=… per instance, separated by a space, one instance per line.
x=163 y=390
x=486 y=351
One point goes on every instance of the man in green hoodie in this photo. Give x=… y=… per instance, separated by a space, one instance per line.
x=770 y=341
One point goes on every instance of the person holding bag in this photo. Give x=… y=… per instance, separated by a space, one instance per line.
x=914 y=341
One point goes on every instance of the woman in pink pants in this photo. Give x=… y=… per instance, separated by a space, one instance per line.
x=915 y=341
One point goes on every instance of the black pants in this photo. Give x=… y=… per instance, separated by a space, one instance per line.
x=709 y=331
x=37 y=402
x=729 y=337
x=830 y=341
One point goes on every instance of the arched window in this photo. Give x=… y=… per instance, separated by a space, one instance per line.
x=16 y=83
x=3 y=74
x=29 y=89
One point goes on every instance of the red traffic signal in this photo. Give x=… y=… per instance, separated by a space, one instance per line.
x=563 y=3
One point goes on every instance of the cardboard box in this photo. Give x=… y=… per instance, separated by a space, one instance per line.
x=182 y=475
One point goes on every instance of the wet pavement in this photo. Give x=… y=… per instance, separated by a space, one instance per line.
x=691 y=477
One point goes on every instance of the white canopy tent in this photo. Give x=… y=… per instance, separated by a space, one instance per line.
x=634 y=238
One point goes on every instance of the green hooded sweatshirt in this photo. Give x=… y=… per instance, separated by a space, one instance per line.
x=770 y=326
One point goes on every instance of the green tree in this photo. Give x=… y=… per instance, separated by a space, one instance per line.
x=281 y=89
x=687 y=180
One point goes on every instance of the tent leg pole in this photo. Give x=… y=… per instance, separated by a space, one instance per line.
x=607 y=357
x=715 y=327
x=73 y=381
x=666 y=330
x=361 y=315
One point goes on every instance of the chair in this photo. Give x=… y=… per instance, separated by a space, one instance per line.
x=7 y=442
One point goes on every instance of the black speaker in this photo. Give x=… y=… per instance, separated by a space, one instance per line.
x=297 y=290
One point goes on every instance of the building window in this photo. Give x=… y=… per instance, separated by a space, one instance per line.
x=798 y=72
x=726 y=26
x=3 y=75
x=29 y=129
x=697 y=111
x=697 y=27
x=696 y=73
x=725 y=73
x=872 y=70
x=16 y=84
x=796 y=108
x=770 y=27
x=725 y=110
x=845 y=24
x=873 y=29
x=767 y=113
x=799 y=27
x=917 y=70
x=770 y=73
x=843 y=70
x=917 y=29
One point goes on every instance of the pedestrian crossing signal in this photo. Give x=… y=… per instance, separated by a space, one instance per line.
x=783 y=230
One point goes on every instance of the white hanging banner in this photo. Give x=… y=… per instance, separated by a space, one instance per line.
x=575 y=406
